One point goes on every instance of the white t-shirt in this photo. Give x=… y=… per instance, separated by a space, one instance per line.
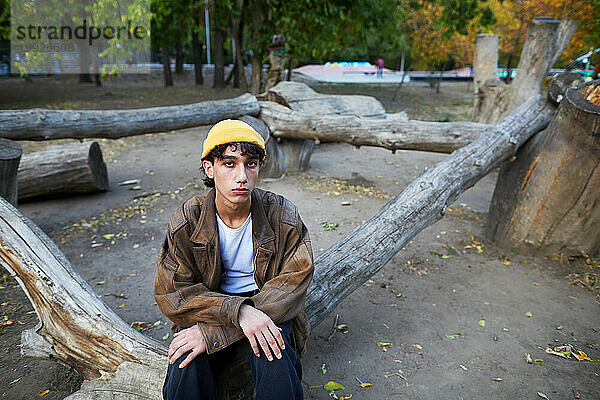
x=236 y=254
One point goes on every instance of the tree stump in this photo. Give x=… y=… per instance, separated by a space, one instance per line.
x=547 y=202
x=485 y=64
x=10 y=154
x=545 y=42
x=69 y=169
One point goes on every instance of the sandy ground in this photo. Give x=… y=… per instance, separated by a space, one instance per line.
x=427 y=303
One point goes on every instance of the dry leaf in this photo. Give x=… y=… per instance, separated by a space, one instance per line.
x=528 y=358
x=463 y=367
x=381 y=344
x=45 y=392
x=542 y=395
x=365 y=384
x=418 y=346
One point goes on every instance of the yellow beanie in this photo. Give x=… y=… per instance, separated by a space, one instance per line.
x=228 y=131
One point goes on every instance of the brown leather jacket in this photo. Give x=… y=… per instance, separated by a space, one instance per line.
x=189 y=269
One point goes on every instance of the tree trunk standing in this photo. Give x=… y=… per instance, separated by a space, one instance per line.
x=547 y=202
x=10 y=155
x=546 y=40
x=69 y=169
x=84 y=61
x=179 y=58
x=164 y=53
x=485 y=65
x=219 y=54
x=237 y=27
x=197 y=45
x=77 y=328
x=257 y=53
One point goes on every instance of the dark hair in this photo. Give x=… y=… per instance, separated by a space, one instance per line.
x=218 y=152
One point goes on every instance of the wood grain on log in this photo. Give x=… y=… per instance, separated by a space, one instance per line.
x=547 y=202
x=442 y=137
x=85 y=333
x=43 y=124
x=10 y=155
x=69 y=169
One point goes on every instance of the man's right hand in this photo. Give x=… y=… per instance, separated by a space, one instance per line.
x=261 y=330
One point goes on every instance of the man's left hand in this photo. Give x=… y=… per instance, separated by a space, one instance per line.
x=185 y=340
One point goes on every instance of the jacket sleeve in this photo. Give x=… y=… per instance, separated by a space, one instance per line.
x=282 y=297
x=181 y=295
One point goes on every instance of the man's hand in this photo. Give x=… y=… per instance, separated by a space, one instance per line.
x=184 y=341
x=261 y=330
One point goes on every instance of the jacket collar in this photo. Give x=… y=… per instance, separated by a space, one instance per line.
x=206 y=229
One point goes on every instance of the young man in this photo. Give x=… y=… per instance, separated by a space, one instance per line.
x=236 y=262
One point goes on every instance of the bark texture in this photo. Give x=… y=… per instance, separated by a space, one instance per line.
x=545 y=42
x=10 y=155
x=69 y=169
x=485 y=65
x=80 y=330
x=441 y=137
x=547 y=202
x=43 y=124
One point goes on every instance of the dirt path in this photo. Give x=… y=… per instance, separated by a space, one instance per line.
x=427 y=303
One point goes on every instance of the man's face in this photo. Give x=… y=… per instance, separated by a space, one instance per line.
x=235 y=176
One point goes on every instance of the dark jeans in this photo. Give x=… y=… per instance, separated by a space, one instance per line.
x=274 y=380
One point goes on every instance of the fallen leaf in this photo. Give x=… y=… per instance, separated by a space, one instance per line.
x=542 y=395
x=15 y=381
x=538 y=360
x=129 y=182
x=581 y=356
x=100 y=283
x=528 y=358
x=97 y=244
x=456 y=333
x=482 y=322
x=445 y=256
x=331 y=386
x=135 y=188
x=135 y=246
x=346 y=203
x=451 y=337
x=497 y=379
x=555 y=353
x=108 y=236
x=122 y=305
x=6 y=322
x=166 y=336
x=365 y=384
x=528 y=314
x=5 y=303
x=463 y=367
x=45 y=392
x=323 y=369
x=345 y=397
x=381 y=344
x=157 y=323
x=418 y=346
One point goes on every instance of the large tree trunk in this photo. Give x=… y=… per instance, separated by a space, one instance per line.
x=547 y=202
x=197 y=45
x=257 y=19
x=10 y=155
x=42 y=124
x=78 y=328
x=166 y=62
x=219 y=54
x=69 y=169
x=392 y=134
x=546 y=40
x=179 y=58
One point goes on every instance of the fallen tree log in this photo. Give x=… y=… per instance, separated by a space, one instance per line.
x=301 y=97
x=441 y=137
x=78 y=329
x=547 y=202
x=10 y=155
x=43 y=124
x=546 y=40
x=69 y=169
